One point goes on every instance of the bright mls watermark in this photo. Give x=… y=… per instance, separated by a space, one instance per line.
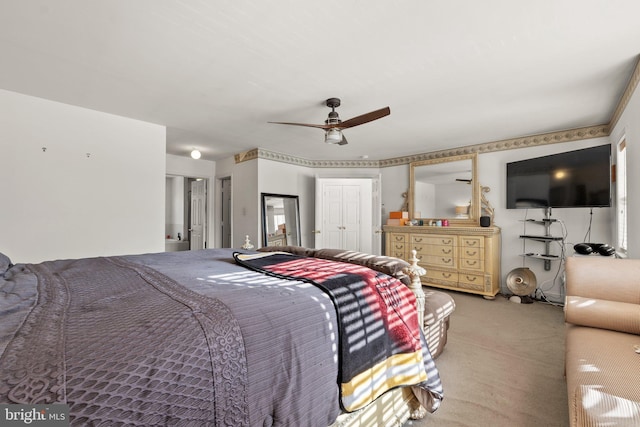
x=34 y=415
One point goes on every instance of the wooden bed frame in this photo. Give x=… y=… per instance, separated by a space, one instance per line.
x=397 y=406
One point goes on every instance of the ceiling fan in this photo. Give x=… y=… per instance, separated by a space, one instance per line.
x=333 y=125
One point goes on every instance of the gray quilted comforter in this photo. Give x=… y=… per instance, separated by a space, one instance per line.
x=184 y=338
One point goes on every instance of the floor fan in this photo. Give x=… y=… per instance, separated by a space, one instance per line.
x=521 y=282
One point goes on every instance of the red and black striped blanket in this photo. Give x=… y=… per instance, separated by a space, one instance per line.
x=380 y=342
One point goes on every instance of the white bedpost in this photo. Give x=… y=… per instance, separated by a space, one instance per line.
x=414 y=271
x=247 y=243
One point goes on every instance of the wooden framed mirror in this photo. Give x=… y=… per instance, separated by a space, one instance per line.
x=280 y=220
x=445 y=188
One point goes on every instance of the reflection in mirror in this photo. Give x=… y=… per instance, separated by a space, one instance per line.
x=280 y=220
x=445 y=188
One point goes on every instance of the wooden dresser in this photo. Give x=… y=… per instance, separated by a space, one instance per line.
x=465 y=259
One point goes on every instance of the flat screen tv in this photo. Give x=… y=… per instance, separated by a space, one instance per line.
x=574 y=179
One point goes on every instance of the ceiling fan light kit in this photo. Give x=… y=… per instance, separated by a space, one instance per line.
x=333 y=136
x=333 y=125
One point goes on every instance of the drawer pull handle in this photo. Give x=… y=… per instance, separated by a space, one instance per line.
x=471 y=253
x=418 y=249
x=447 y=260
x=399 y=247
x=446 y=242
x=418 y=239
x=446 y=252
x=398 y=238
x=471 y=262
x=446 y=275
x=471 y=242
x=471 y=279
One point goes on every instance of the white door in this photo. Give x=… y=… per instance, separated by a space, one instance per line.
x=351 y=218
x=198 y=214
x=331 y=224
x=344 y=214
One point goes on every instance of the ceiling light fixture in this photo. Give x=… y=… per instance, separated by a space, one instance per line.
x=333 y=136
x=195 y=154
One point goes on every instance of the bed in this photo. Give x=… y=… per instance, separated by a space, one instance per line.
x=186 y=338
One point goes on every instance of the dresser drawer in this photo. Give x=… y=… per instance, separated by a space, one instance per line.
x=442 y=277
x=398 y=237
x=471 y=264
x=426 y=249
x=471 y=281
x=432 y=240
x=437 y=260
x=471 y=253
x=398 y=250
x=471 y=241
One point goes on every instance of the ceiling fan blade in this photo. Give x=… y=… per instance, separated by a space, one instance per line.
x=365 y=118
x=344 y=140
x=325 y=127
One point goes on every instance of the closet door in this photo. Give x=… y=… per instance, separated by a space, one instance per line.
x=343 y=214
x=331 y=225
x=351 y=218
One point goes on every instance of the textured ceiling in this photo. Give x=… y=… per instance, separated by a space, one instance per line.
x=215 y=72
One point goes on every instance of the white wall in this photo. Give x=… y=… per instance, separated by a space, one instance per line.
x=292 y=180
x=245 y=204
x=395 y=182
x=628 y=126
x=61 y=203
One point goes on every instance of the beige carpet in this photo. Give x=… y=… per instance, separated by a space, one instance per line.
x=503 y=366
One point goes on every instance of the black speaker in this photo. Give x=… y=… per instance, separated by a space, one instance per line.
x=583 y=248
x=485 y=221
x=594 y=248
x=606 y=250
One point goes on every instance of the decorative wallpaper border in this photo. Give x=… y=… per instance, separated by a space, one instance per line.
x=626 y=96
x=488 y=147
x=506 y=144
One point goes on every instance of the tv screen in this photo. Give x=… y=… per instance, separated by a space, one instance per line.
x=575 y=179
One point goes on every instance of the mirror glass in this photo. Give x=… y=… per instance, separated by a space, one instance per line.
x=280 y=220
x=445 y=188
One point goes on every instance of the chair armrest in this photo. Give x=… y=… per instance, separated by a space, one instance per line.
x=603 y=293
x=603 y=278
x=597 y=313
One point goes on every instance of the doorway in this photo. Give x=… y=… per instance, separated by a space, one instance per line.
x=186 y=219
x=225 y=212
